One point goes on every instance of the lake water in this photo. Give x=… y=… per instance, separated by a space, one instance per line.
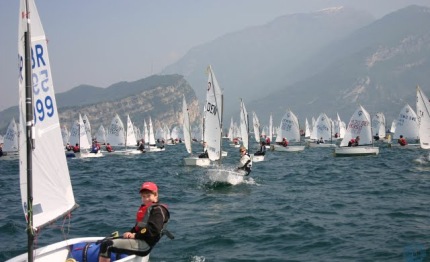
x=307 y=206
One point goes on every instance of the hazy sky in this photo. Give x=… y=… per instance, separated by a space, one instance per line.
x=101 y=42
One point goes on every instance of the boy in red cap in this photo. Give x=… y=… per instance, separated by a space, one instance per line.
x=151 y=220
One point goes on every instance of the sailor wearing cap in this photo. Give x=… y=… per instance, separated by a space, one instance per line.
x=151 y=220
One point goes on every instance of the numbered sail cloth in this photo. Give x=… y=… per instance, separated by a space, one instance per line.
x=48 y=194
x=359 y=125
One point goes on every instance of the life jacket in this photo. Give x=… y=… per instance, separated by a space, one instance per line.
x=142 y=217
x=247 y=165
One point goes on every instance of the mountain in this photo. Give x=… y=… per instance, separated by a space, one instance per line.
x=377 y=66
x=256 y=61
x=157 y=96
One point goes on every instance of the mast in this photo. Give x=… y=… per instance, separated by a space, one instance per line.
x=29 y=123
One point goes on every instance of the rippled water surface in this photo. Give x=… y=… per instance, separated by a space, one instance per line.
x=307 y=206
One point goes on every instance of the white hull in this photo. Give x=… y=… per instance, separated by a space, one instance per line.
x=235 y=145
x=408 y=146
x=61 y=251
x=195 y=161
x=257 y=158
x=356 y=151
x=287 y=148
x=84 y=154
x=223 y=153
x=312 y=144
x=154 y=149
x=134 y=152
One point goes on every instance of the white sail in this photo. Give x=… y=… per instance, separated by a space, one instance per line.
x=378 y=125
x=116 y=132
x=78 y=135
x=151 y=133
x=307 y=128
x=87 y=126
x=11 y=137
x=186 y=125
x=101 y=135
x=393 y=126
x=51 y=186
x=65 y=134
x=213 y=116
x=407 y=124
x=322 y=128
x=359 y=125
x=231 y=130
x=256 y=125
x=174 y=134
x=244 y=125
x=146 y=132
x=270 y=127
x=131 y=137
x=289 y=128
x=423 y=117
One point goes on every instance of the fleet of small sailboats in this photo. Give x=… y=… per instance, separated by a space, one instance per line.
x=46 y=189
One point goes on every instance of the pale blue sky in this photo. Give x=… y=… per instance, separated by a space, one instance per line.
x=101 y=42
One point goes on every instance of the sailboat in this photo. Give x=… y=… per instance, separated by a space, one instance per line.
x=423 y=117
x=191 y=160
x=101 y=135
x=407 y=126
x=256 y=125
x=359 y=125
x=78 y=135
x=213 y=131
x=322 y=130
x=244 y=130
x=130 y=139
x=10 y=146
x=152 y=147
x=46 y=189
x=289 y=129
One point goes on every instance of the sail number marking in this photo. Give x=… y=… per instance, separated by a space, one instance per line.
x=211 y=108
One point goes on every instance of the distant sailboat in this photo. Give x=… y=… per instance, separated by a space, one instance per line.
x=359 y=125
x=10 y=140
x=191 y=160
x=288 y=129
x=423 y=117
x=213 y=131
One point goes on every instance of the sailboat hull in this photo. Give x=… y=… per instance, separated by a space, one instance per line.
x=61 y=252
x=195 y=161
x=287 y=148
x=257 y=158
x=313 y=144
x=356 y=151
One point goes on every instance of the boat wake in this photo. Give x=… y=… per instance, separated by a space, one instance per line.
x=423 y=160
x=230 y=176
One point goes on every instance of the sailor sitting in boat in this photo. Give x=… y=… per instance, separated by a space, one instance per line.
x=205 y=151
x=320 y=141
x=262 y=150
x=354 y=142
x=94 y=148
x=151 y=221
x=245 y=161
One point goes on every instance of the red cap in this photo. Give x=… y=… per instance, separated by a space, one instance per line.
x=149 y=186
